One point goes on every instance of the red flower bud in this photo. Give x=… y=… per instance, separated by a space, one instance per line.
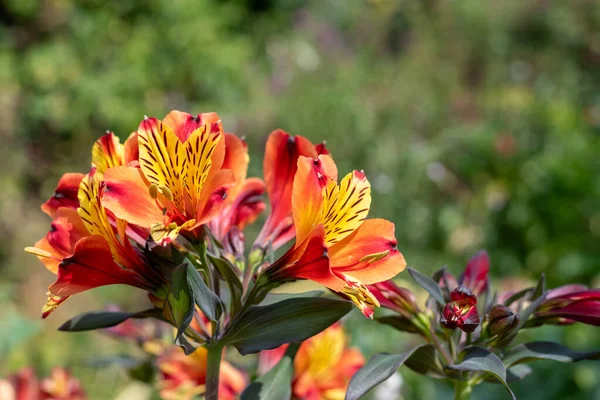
x=475 y=276
x=502 y=319
x=394 y=297
x=461 y=312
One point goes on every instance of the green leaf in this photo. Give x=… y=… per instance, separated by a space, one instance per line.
x=424 y=361
x=180 y=299
x=205 y=298
x=546 y=351
x=292 y=320
x=518 y=372
x=517 y=296
x=277 y=383
x=526 y=313
x=230 y=274
x=479 y=359
x=398 y=322
x=187 y=346
x=102 y=319
x=540 y=288
x=273 y=298
x=379 y=368
x=429 y=285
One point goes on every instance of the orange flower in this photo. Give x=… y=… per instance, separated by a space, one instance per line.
x=335 y=245
x=61 y=386
x=280 y=166
x=323 y=365
x=184 y=377
x=25 y=386
x=87 y=246
x=180 y=183
x=243 y=203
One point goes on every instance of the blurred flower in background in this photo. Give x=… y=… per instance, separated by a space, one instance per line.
x=323 y=365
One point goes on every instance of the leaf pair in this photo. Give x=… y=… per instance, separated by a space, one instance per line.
x=188 y=288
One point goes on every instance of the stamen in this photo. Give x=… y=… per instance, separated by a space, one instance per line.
x=38 y=252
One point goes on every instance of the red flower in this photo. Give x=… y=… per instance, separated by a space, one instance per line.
x=279 y=168
x=569 y=304
x=87 y=246
x=336 y=245
x=461 y=312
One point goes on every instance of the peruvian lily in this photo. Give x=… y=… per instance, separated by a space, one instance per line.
x=569 y=304
x=24 y=385
x=323 y=365
x=243 y=203
x=461 y=311
x=279 y=167
x=180 y=183
x=475 y=275
x=87 y=246
x=183 y=377
x=335 y=245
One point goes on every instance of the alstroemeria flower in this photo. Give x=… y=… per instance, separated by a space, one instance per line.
x=88 y=246
x=279 y=168
x=461 y=312
x=243 y=203
x=323 y=365
x=569 y=304
x=20 y=386
x=335 y=245
x=180 y=183
x=61 y=385
x=24 y=385
x=184 y=377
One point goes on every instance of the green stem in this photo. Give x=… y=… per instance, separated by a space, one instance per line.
x=462 y=390
x=213 y=368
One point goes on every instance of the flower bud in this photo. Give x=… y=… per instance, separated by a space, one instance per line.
x=502 y=320
x=394 y=297
x=461 y=312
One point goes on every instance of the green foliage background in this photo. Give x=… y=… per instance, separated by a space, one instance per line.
x=478 y=124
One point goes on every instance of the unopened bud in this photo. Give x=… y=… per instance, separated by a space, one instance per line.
x=502 y=319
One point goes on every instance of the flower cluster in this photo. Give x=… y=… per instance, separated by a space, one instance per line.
x=166 y=210
x=25 y=385
x=470 y=330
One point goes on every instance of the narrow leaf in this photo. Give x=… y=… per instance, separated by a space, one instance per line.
x=277 y=383
x=429 y=285
x=479 y=359
x=424 y=361
x=540 y=288
x=103 y=319
x=517 y=296
x=518 y=372
x=181 y=299
x=526 y=313
x=230 y=274
x=94 y=320
x=379 y=368
x=208 y=302
x=292 y=320
x=547 y=351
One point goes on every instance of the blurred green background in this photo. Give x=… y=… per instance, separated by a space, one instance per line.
x=478 y=124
